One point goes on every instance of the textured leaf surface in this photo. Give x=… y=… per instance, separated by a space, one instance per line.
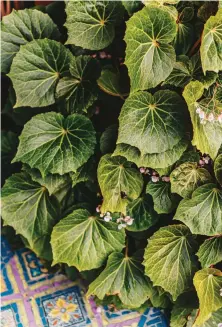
x=149 y=56
x=208 y=283
x=207 y=138
x=41 y=247
x=141 y=210
x=84 y=241
x=210 y=252
x=218 y=168
x=108 y=139
x=152 y=123
x=214 y=320
x=112 y=83
x=211 y=45
x=35 y=81
x=28 y=208
x=56 y=144
x=203 y=212
x=164 y=200
x=169 y=260
x=9 y=142
x=132 y=6
x=21 y=27
x=187 y=177
x=85 y=173
x=122 y=276
x=119 y=183
x=91 y=24
x=154 y=160
x=184 y=38
x=80 y=89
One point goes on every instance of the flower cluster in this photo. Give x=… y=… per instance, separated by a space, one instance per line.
x=204 y=160
x=204 y=117
x=154 y=175
x=124 y=221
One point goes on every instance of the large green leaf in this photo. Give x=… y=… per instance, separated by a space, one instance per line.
x=169 y=260
x=119 y=183
x=21 y=27
x=214 y=320
x=85 y=173
x=164 y=200
x=152 y=123
x=9 y=142
x=208 y=283
x=218 y=168
x=123 y=276
x=108 y=139
x=56 y=144
x=28 y=208
x=210 y=252
x=206 y=137
x=141 y=210
x=155 y=160
x=187 y=177
x=203 y=212
x=80 y=89
x=211 y=49
x=35 y=71
x=132 y=6
x=85 y=241
x=149 y=56
x=186 y=70
x=91 y=24
x=184 y=38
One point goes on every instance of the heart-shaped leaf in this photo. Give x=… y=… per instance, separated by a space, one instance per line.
x=210 y=252
x=208 y=283
x=164 y=200
x=91 y=24
x=80 y=90
x=156 y=161
x=152 y=123
x=187 y=177
x=206 y=137
x=21 y=27
x=169 y=260
x=211 y=50
x=56 y=144
x=141 y=210
x=119 y=183
x=149 y=56
x=28 y=208
x=218 y=168
x=35 y=81
x=123 y=276
x=85 y=241
x=203 y=212
x=108 y=139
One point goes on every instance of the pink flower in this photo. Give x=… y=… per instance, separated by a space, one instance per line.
x=155 y=179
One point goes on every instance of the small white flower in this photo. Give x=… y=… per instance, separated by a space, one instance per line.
x=206 y=160
x=99 y=310
x=211 y=117
x=142 y=170
x=108 y=213
x=201 y=162
x=98 y=208
x=220 y=324
x=198 y=110
x=166 y=179
x=118 y=220
x=101 y=215
x=102 y=54
x=155 y=179
x=120 y=226
x=219 y=118
x=130 y=221
x=202 y=114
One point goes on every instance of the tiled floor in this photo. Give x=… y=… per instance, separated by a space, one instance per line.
x=33 y=298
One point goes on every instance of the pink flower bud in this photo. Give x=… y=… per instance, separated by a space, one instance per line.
x=142 y=170
x=155 y=179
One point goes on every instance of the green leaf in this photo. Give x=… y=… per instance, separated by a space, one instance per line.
x=164 y=200
x=56 y=144
x=210 y=49
x=207 y=138
x=184 y=38
x=208 y=283
x=21 y=27
x=85 y=173
x=156 y=161
x=85 y=241
x=210 y=252
x=203 y=212
x=149 y=56
x=35 y=81
x=123 y=276
x=91 y=24
x=108 y=139
x=80 y=90
x=152 y=123
x=186 y=70
x=218 y=168
x=214 y=320
x=189 y=156
x=53 y=182
x=208 y=9
x=159 y=298
x=41 y=247
x=9 y=143
x=141 y=210
x=132 y=6
x=187 y=177
x=169 y=260
x=119 y=183
x=114 y=82
x=28 y=208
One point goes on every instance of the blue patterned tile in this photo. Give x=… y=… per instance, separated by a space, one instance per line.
x=63 y=309
x=6 y=252
x=6 y=286
x=152 y=318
